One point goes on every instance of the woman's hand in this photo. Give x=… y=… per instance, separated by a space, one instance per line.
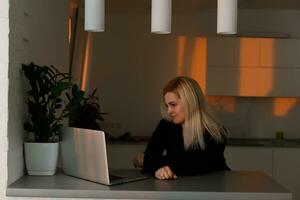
x=138 y=160
x=165 y=173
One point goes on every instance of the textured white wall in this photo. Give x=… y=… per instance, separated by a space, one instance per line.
x=37 y=33
x=4 y=57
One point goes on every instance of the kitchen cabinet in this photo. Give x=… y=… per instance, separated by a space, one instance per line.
x=286 y=169
x=279 y=53
x=279 y=67
x=232 y=81
x=253 y=67
x=249 y=158
x=282 y=164
x=120 y=155
x=232 y=52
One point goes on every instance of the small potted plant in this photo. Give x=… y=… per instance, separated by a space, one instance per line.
x=47 y=85
x=82 y=112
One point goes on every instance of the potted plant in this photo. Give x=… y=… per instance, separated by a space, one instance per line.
x=82 y=112
x=45 y=109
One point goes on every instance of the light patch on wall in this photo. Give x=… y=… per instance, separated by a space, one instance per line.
x=181 y=42
x=266 y=78
x=69 y=29
x=86 y=62
x=249 y=52
x=248 y=72
x=282 y=106
x=223 y=104
x=199 y=62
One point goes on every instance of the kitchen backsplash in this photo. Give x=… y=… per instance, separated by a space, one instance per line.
x=258 y=117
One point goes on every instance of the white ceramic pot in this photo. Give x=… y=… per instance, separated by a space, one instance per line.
x=41 y=158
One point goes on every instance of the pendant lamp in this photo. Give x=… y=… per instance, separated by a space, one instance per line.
x=161 y=14
x=94 y=15
x=227 y=17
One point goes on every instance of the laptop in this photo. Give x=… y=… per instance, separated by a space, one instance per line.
x=84 y=156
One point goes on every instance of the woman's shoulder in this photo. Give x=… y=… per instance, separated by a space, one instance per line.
x=165 y=124
x=164 y=121
x=165 y=129
x=221 y=140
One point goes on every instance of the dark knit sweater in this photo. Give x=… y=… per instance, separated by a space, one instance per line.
x=168 y=136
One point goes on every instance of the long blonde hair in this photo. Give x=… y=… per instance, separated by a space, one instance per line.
x=198 y=117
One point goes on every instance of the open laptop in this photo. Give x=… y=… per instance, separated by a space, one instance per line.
x=84 y=156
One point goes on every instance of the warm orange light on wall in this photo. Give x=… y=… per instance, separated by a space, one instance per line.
x=69 y=29
x=199 y=62
x=267 y=74
x=256 y=76
x=282 y=106
x=197 y=67
x=249 y=52
x=86 y=61
x=224 y=103
x=181 y=43
x=248 y=72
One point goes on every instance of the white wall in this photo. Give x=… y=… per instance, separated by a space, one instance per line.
x=4 y=59
x=38 y=33
x=130 y=66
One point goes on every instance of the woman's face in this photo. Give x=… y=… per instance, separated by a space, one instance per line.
x=175 y=108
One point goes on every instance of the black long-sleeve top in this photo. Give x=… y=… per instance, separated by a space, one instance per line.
x=168 y=137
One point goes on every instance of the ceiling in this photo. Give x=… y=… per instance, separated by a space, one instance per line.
x=193 y=6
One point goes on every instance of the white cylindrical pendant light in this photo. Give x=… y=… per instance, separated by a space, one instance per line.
x=227 y=17
x=161 y=14
x=94 y=15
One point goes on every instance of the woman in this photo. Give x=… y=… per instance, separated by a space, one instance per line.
x=192 y=139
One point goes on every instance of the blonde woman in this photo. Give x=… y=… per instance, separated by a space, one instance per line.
x=192 y=139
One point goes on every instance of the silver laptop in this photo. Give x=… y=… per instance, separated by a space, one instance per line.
x=84 y=156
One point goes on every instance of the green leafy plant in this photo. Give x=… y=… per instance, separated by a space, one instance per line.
x=83 y=112
x=44 y=102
